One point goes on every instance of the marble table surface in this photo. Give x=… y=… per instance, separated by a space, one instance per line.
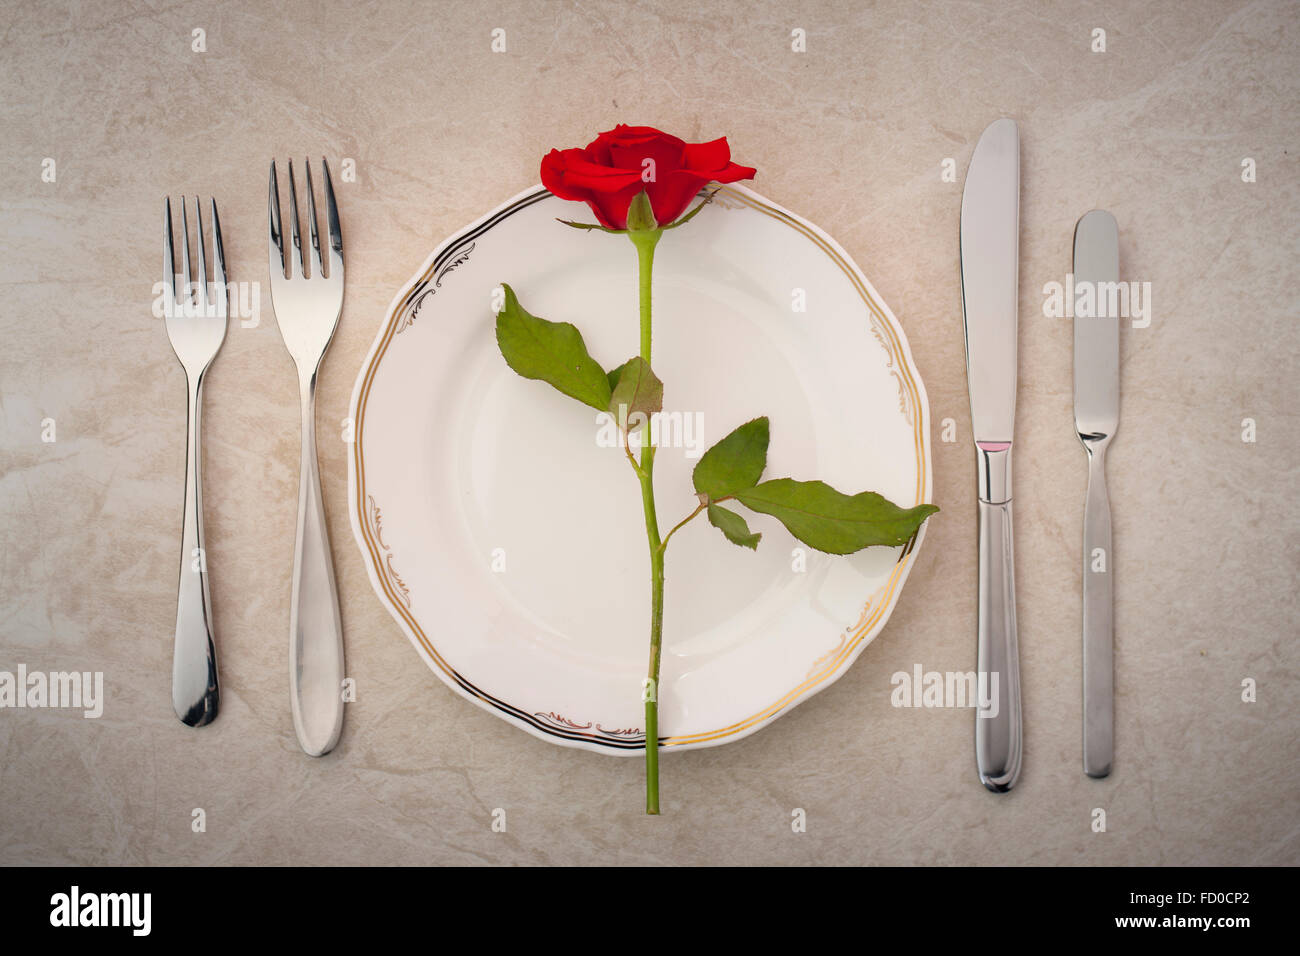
x=108 y=107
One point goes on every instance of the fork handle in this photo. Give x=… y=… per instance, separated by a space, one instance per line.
x=315 y=627
x=195 y=694
x=1098 y=621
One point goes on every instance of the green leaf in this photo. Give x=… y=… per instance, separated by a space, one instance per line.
x=735 y=463
x=552 y=352
x=635 y=388
x=829 y=521
x=734 y=527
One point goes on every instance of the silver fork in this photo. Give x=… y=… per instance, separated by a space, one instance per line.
x=307 y=307
x=196 y=326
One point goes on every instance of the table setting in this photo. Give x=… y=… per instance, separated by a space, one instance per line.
x=638 y=417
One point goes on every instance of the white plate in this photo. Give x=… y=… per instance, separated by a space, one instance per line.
x=509 y=544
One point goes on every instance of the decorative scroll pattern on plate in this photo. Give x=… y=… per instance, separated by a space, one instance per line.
x=562 y=722
x=415 y=301
x=829 y=661
x=904 y=399
x=375 y=519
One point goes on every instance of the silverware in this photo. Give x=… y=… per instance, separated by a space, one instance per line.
x=307 y=308
x=990 y=248
x=1096 y=417
x=196 y=326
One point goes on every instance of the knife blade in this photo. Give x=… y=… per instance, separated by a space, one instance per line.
x=990 y=258
x=1096 y=418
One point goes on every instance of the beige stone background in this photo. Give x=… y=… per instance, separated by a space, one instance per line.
x=851 y=134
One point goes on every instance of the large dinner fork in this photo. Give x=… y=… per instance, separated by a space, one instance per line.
x=307 y=307
x=196 y=326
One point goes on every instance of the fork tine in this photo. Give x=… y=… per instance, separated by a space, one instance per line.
x=273 y=215
x=316 y=269
x=301 y=262
x=218 y=263
x=218 y=251
x=185 y=253
x=202 y=247
x=332 y=218
x=169 y=258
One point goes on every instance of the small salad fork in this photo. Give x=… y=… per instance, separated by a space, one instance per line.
x=196 y=326
x=307 y=307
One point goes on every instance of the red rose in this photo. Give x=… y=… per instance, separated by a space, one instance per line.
x=608 y=174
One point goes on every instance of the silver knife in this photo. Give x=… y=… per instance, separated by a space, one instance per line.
x=1096 y=417
x=990 y=260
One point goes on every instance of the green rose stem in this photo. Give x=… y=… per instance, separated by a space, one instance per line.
x=732 y=470
x=645 y=241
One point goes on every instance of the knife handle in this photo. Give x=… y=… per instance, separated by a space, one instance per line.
x=1098 y=621
x=997 y=716
x=997 y=725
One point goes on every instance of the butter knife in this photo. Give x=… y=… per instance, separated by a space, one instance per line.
x=990 y=259
x=1096 y=417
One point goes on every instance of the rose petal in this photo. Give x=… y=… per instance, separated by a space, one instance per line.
x=667 y=157
x=553 y=166
x=732 y=172
x=670 y=197
x=623 y=134
x=611 y=208
x=706 y=156
x=579 y=172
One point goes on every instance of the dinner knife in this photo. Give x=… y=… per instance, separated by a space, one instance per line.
x=990 y=259
x=1096 y=417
